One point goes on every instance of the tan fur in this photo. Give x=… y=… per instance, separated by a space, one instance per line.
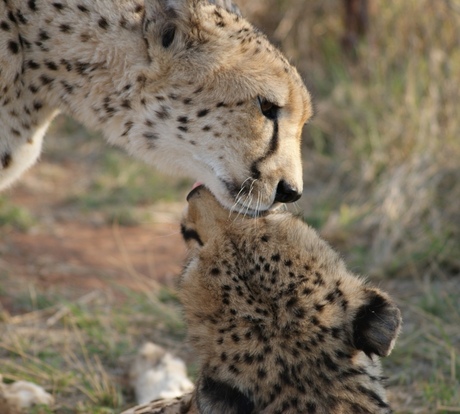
x=278 y=322
x=190 y=107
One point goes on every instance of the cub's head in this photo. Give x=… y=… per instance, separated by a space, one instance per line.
x=231 y=107
x=278 y=321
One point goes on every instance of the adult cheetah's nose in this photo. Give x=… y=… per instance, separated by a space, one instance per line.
x=286 y=193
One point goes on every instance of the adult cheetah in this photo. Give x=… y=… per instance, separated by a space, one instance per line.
x=278 y=322
x=185 y=85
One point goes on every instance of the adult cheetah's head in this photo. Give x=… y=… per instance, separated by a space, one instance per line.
x=236 y=107
x=280 y=325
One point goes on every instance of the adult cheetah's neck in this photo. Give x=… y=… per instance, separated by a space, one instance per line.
x=83 y=58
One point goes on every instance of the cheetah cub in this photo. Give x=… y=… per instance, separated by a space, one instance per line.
x=279 y=324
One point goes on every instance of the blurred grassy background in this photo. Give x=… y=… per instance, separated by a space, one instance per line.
x=382 y=155
x=382 y=184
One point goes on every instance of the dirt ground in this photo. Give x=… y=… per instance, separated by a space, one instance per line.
x=80 y=251
x=82 y=257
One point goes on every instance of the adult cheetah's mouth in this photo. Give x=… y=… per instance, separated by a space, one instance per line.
x=248 y=211
x=237 y=208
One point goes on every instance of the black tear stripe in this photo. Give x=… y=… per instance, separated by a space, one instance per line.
x=273 y=147
x=190 y=234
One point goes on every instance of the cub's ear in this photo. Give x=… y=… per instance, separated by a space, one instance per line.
x=217 y=397
x=377 y=324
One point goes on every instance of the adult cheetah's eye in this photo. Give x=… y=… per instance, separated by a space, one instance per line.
x=268 y=109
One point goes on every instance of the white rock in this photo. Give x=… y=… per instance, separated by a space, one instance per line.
x=158 y=374
x=17 y=397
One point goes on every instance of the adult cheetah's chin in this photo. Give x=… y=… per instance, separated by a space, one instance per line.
x=254 y=212
x=233 y=205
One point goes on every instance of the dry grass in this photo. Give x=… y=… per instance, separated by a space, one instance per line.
x=79 y=349
x=382 y=154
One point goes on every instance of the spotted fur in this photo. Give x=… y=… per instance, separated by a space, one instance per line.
x=278 y=322
x=183 y=84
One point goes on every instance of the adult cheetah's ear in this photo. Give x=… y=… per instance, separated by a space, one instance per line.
x=214 y=396
x=170 y=22
x=377 y=324
x=164 y=20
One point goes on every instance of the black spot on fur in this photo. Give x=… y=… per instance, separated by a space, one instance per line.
x=5 y=26
x=13 y=47
x=34 y=89
x=11 y=17
x=82 y=67
x=43 y=35
x=21 y=17
x=58 y=6
x=6 y=160
x=103 y=23
x=67 y=86
x=46 y=80
x=32 y=5
x=373 y=396
x=128 y=125
x=65 y=28
x=82 y=8
x=51 y=65
x=37 y=105
x=66 y=64
x=126 y=104
x=150 y=135
x=202 y=112
x=163 y=113
x=33 y=65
